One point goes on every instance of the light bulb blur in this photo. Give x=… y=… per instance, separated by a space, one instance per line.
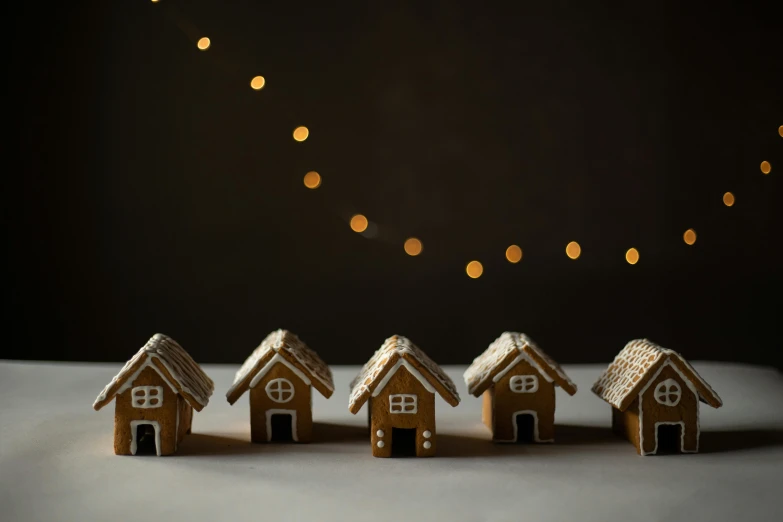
x=689 y=236
x=573 y=250
x=301 y=133
x=312 y=180
x=474 y=269
x=413 y=246
x=204 y=43
x=257 y=83
x=728 y=199
x=359 y=223
x=514 y=254
x=632 y=256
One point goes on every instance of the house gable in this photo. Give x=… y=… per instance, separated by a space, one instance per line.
x=282 y=346
x=635 y=365
x=173 y=363
x=404 y=385
x=402 y=363
x=504 y=354
x=265 y=393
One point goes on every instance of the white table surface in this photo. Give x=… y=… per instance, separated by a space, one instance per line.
x=57 y=462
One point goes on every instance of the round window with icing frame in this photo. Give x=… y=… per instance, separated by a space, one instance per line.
x=280 y=390
x=668 y=392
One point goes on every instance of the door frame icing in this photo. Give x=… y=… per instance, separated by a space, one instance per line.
x=274 y=411
x=134 y=425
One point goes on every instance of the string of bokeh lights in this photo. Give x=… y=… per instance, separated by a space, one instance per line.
x=414 y=246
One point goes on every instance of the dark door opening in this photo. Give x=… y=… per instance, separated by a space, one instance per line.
x=145 y=440
x=526 y=426
x=669 y=439
x=403 y=442
x=282 y=427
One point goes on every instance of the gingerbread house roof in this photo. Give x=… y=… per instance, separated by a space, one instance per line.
x=173 y=363
x=398 y=351
x=505 y=353
x=636 y=364
x=282 y=346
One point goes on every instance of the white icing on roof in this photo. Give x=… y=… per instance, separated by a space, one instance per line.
x=487 y=365
x=632 y=367
x=400 y=346
x=284 y=343
x=188 y=376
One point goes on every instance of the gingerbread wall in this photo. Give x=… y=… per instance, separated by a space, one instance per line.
x=626 y=423
x=165 y=415
x=652 y=412
x=382 y=420
x=261 y=403
x=505 y=403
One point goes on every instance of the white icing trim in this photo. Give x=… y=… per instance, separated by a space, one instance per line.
x=523 y=384
x=427 y=444
x=380 y=433
x=688 y=385
x=522 y=357
x=274 y=360
x=380 y=444
x=398 y=403
x=148 y=363
x=514 y=416
x=427 y=434
x=137 y=423
x=400 y=363
x=273 y=411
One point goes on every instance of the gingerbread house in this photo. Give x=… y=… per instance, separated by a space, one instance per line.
x=655 y=394
x=280 y=375
x=398 y=384
x=518 y=382
x=156 y=392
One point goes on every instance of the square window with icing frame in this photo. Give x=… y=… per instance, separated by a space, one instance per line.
x=403 y=403
x=147 y=397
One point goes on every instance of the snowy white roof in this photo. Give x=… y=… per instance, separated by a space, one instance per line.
x=635 y=364
x=388 y=354
x=505 y=352
x=165 y=356
x=288 y=346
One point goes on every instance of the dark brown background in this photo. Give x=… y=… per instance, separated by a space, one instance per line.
x=150 y=189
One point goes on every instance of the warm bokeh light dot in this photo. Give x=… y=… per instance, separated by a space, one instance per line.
x=258 y=83
x=728 y=199
x=780 y=131
x=312 y=180
x=514 y=254
x=474 y=269
x=204 y=43
x=573 y=250
x=301 y=133
x=766 y=168
x=413 y=246
x=689 y=236
x=632 y=256
x=359 y=223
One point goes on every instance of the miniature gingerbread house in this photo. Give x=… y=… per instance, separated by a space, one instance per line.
x=518 y=382
x=655 y=394
x=399 y=384
x=280 y=374
x=156 y=392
